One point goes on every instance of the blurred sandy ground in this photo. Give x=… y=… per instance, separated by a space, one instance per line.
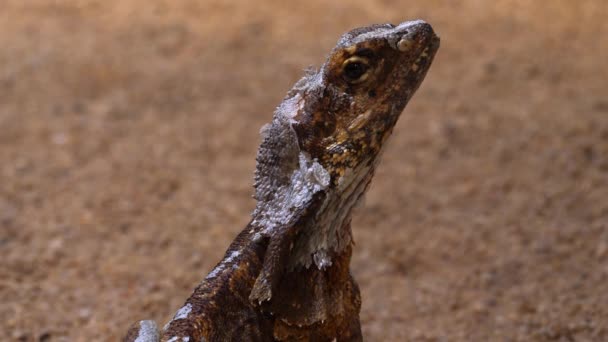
x=128 y=131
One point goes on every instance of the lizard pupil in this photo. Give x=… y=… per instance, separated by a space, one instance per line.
x=354 y=70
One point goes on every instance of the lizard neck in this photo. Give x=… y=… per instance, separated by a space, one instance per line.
x=305 y=276
x=304 y=214
x=327 y=298
x=316 y=213
x=293 y=188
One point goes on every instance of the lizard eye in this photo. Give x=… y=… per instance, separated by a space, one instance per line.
x=355 y=69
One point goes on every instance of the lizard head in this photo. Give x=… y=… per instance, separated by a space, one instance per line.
x=319 y=153
x=369 y=77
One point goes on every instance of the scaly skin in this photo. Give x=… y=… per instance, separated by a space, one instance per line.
x=286 y=276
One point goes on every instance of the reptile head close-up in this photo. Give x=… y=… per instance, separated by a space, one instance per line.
x=320 y=151
x=370 y=75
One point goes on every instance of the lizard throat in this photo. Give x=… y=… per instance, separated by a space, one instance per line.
x=325 y=227
x=327 y=231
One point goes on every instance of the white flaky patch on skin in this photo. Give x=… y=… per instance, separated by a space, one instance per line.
x=305 y=181
x=183 y=312
x=222 y=266
x=286 y=177
x=148 y=332
x=179 y=339
x=277 y=161
x=324 y=234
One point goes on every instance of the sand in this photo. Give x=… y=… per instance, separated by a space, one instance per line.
x=128 y=132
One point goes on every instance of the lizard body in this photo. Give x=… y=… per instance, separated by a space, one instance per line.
x=286 y=276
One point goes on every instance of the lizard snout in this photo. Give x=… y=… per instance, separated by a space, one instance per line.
x=411 y=33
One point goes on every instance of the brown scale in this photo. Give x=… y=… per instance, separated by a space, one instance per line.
x=275 y=283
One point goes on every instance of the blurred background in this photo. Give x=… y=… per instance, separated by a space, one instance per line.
x=128 y=133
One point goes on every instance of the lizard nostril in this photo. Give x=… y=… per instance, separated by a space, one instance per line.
x=404 y=44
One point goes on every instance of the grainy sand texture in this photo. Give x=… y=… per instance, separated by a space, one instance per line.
x=128 y=132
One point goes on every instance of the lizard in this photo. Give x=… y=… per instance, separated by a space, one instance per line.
x=286 y=276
